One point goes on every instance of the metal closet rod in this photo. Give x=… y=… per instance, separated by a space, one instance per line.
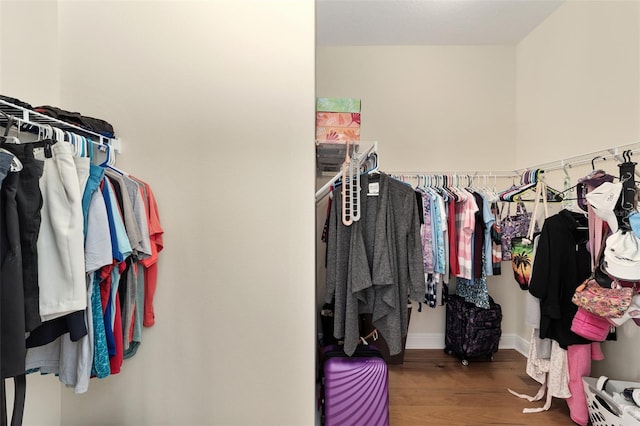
x=607 y=154
x=472 y=174
x=614 y=153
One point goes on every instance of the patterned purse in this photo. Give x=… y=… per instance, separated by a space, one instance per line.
x=602 y=295
x=513 y=226
x=522 y=246
x=601 y=301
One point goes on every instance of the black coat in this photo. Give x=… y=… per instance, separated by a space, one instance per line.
x=561 y=264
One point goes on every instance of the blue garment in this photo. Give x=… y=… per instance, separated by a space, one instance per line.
x=96 y=173
x=101 y=367
x=438 y=233
x=121 y=249
x=489 y=219
x=119 y=241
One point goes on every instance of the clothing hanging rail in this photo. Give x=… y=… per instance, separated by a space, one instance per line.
x=582 y=159
x=503 y=174
x=607 y=153
x=361 y=156
x=33 y=118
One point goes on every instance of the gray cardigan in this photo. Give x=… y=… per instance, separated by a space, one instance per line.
x=376 y=263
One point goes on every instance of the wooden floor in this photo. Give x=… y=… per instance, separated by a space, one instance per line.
x=432 y=388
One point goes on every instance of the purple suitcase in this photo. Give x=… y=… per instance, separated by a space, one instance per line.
x=356 y=388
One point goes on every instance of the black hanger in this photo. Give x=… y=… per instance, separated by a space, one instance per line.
x=627 y=177
x=593 y=161
x=445 y=186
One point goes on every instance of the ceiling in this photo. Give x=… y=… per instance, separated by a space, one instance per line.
x=428 y=22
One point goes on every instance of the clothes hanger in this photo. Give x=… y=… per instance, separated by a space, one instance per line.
x=16 y=165
x=11 y=121
x=440 y=188
x=528 y=180
x=533 y=177
x=107 y=150
x=455 y=187
x=627 y=177
x=109 y=162
x=487 y=191
x=370 y=165
x=447 y=188
x=594 y=173
x=349 y=181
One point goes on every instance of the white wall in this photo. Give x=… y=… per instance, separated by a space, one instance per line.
x=214 y=102
x=431 y=108
x=30 y=67
x=578 y=91
x=578 y=81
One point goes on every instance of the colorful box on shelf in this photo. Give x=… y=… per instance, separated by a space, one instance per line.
x=337 y=105
x=337 y=134
x=338 y=119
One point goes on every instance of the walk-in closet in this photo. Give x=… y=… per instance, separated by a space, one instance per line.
x=444 y=110
x=213 y=104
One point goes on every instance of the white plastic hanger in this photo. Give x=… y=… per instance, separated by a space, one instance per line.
x=110 y=160
x=350 y=189
x=16 y=164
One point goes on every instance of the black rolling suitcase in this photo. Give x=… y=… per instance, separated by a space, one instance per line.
x=471 y=331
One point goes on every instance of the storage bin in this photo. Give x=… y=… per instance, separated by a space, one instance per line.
x=603 y=410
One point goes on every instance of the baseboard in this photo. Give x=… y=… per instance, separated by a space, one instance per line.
x=522 y=346
x=425 y=341
x=436 y=341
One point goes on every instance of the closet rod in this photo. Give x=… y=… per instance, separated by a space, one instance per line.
x=607 y=153
x=37 y=119
x=502 y=174
x=362 y=155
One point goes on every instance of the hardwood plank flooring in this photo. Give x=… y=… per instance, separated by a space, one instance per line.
x=433 y=388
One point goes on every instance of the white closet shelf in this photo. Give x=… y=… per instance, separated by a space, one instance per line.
x=330 y=155
x=33 y=118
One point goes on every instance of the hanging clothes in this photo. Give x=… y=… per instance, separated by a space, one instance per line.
x=466 y=209
x=376 y=263
x=61 y=240
x=29 y=201
x=58 y=213
x=12 y=306
x=560 y=265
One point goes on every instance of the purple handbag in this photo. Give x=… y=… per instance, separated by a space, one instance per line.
x=513 y=226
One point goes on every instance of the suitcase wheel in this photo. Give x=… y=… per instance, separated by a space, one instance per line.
x=465 y=362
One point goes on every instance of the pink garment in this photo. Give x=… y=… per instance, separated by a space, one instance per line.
x=579 y=362
x=465 y=223
x=595 y=234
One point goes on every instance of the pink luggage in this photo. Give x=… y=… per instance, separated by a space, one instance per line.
x=356 y=388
